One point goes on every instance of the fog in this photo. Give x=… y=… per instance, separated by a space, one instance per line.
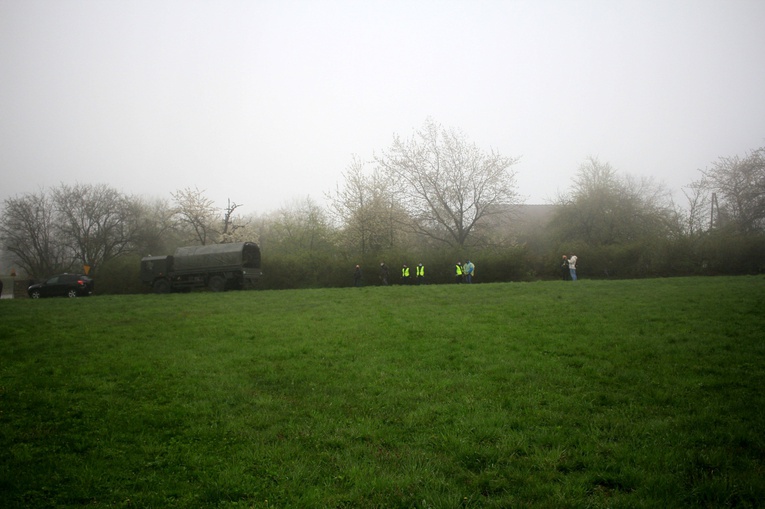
x=267 y=102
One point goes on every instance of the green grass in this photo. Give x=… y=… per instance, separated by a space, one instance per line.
x=590 y=394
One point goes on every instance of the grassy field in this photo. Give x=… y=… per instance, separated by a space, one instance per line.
x=590 y=394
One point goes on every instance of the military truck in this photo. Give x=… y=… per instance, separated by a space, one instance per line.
x=218 y=267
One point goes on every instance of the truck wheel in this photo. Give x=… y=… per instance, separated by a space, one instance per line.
x=161 y=286
x=217 y=284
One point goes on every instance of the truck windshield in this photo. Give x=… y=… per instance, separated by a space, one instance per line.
x=251 y=256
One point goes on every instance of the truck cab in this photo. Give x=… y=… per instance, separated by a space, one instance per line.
x=155 y=268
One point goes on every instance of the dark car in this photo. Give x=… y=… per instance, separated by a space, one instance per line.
x=63 y=285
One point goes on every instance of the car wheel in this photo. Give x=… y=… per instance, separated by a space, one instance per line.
x=217 y=284
x=161 y=286
x=35 y=294
x=72 y=293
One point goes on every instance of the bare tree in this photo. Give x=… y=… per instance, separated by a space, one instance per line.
x=300 y=229
x=366 y=210
x=605 y=208
x=447 y=184
x=196 y=216
x=28 y=232
x=739 y=185
x=234 y=226
x=698 y=214
x=96 y=222
x=155 y=227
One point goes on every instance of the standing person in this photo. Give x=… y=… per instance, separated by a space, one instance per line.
x=405 y=275
x=458 y=273
x=384 y=273
x=572 y=267
x=357 y=276
x=564 y=270
x=420 y=271
x=469 y=270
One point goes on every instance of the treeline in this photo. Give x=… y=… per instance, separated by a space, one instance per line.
x=435 y=199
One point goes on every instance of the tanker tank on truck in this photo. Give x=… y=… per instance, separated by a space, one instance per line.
x=218 y=267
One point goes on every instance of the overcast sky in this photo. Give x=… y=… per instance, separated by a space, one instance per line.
x=266 y=102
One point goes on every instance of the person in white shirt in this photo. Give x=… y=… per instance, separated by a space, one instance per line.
x=468 y=269
x=572 y=267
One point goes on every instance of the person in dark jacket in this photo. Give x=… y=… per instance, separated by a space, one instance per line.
x=383 y=274
x=357 y=276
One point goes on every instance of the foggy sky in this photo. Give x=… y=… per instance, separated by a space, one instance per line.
x=266 y=102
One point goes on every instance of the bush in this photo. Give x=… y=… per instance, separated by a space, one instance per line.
x=731 y=253
x=120 y=275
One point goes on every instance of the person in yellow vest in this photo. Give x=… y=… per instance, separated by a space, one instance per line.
x=458 y=272
x=405 y=275
x=420 y=274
